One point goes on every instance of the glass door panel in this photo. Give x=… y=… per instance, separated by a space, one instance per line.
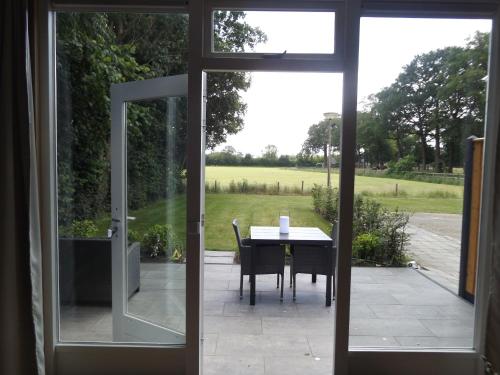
x=149 y=210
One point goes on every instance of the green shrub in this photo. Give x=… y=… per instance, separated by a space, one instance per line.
x=80 y=229
x=317 y=195
x=331 y=205
x=394 y=237
x=233 y=187
x=161 y=240
x=366 y=246
x=403 y=165
x=378 y=234
x=133 y=236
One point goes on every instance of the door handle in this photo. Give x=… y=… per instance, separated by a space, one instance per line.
x=114 y=227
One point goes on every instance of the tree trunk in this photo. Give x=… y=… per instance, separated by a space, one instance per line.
x=438 y=165
x=423 y=145
x=399 y=145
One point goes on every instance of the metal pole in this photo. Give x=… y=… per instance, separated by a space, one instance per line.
x=329 y=154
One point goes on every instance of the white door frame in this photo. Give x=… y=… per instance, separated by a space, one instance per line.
x=63 y=358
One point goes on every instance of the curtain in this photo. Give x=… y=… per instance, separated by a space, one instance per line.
x=21 y=319
x=493 y=320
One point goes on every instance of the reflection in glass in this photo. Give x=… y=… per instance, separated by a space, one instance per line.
x=156 y=208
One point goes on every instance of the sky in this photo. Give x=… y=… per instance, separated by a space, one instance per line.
x=282 y=106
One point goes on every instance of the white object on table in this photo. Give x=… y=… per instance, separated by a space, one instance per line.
x=284 y=224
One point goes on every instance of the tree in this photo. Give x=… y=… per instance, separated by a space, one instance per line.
x=317 y=138
x=439 y=97
x=463 y=96
x=387 y=109
x=373 y=144
x=270 y=153
x=95 y=50
x=89 y=60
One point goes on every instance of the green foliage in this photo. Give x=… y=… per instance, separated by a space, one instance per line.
x=403 y=165
x=373 y=146
x=89 y=61
x=229 y=157
x=331 y=205
x=80 y=229
x=133 y=236
x=378 y=234
x=325 y=202
x=160 y=239
x=366 y=246
x=436 y=102
x=270 y=153
x=317 y=196
x=317 y=137
x=305 y=158
x=95 y=50
x=244 y=187
x=435 y=178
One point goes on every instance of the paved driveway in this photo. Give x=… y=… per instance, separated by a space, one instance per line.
x=435 y=246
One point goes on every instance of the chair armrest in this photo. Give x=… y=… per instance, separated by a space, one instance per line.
x=246 y=242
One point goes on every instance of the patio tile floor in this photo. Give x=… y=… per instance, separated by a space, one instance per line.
x=390 y=307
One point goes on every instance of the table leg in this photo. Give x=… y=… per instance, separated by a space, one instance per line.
x=328 y=290
x=329 y=261
x=252 y=276
x=313 y=278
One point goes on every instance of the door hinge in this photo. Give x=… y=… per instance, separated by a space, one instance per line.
x=194 y=228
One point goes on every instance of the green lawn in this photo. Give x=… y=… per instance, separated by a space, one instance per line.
x=253 y=210
x=293 y=177
x=257 y=210
x=432 y=205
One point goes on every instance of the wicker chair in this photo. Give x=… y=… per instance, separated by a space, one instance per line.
x=316 y=260
x=269 y=259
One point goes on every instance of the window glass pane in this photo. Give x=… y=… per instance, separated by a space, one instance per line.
x=274 y=32
x=422 y=98
x=95 y=51
x=156 y=202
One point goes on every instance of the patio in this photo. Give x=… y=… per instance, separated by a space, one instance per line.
x=390 y=307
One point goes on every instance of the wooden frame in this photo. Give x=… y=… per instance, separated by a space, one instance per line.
x=89 y=358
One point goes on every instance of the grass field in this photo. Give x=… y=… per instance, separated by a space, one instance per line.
x=221 y=209
x=260 y=209
x=293 y=178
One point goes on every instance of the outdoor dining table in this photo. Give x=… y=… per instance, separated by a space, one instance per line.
x=295 y=236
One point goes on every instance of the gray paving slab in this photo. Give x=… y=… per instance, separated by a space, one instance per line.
x=264 y=345
x=237 y=365
x=210 y=343
x=288 y=365
x=373 y=341
x=435 y=342
x=298 y=326
x=390 y=307
x=405 y=311
x=233 y=324
x=435 y=245
x=388 y=327
x=446 y=328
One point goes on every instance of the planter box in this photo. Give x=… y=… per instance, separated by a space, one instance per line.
x=85 y=271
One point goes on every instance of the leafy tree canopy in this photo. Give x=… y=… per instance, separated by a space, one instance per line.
x=95 y=50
